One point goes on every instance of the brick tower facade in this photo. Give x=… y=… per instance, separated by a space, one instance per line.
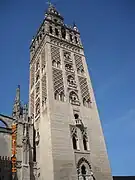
x=69 y=142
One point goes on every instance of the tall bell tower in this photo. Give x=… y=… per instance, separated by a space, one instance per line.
x=69 y=142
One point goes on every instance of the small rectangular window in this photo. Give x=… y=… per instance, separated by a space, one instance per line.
x=63 y=32
x=71 y=38
x=76 y=40
x=74 y=142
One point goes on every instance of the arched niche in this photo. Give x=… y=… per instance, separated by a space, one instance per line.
x=73 y=98
x=84 y=170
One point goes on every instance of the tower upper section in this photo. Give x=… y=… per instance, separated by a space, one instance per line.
x=58 y=69
x=53 y=15
x=53 y=25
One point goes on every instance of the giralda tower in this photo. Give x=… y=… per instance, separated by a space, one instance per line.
x=69 y=142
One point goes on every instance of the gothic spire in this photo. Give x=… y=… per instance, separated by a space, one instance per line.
x=17 y=110
x=17 y=98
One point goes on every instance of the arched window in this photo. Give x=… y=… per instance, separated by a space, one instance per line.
x=67 y=55
x=87 y=103
x=58 y=64
x=84 y=101
x=83 y=171
x=76 y=116
x=74 y=142
x=71 y=80
x=78 y=71
x=63 y=32
x=61 y=96
x=71 y=37
x=76 y=40
x=68 y=67
x=85 y=143
x=40 y=36
x=73 y=98
x=56 y=95
x=54 y=63
x=51 y=30
x=56 y=32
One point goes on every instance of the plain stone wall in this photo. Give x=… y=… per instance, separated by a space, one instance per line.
x=5 y=148
x=5 y=144
x=5 y=136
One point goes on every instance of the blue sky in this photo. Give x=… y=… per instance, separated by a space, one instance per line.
x=108 y=33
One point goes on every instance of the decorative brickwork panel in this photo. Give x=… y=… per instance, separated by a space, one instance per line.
x=84 y=90
x=44 y=89
x=32 y=75
x=58 y=84
x=55 y=54
x=37 y=107
x=37 y=64
x=37 y=89
x=69 y=69
x=32 y=103
x=43 y=62
x=79 y=64
x=37 y=76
